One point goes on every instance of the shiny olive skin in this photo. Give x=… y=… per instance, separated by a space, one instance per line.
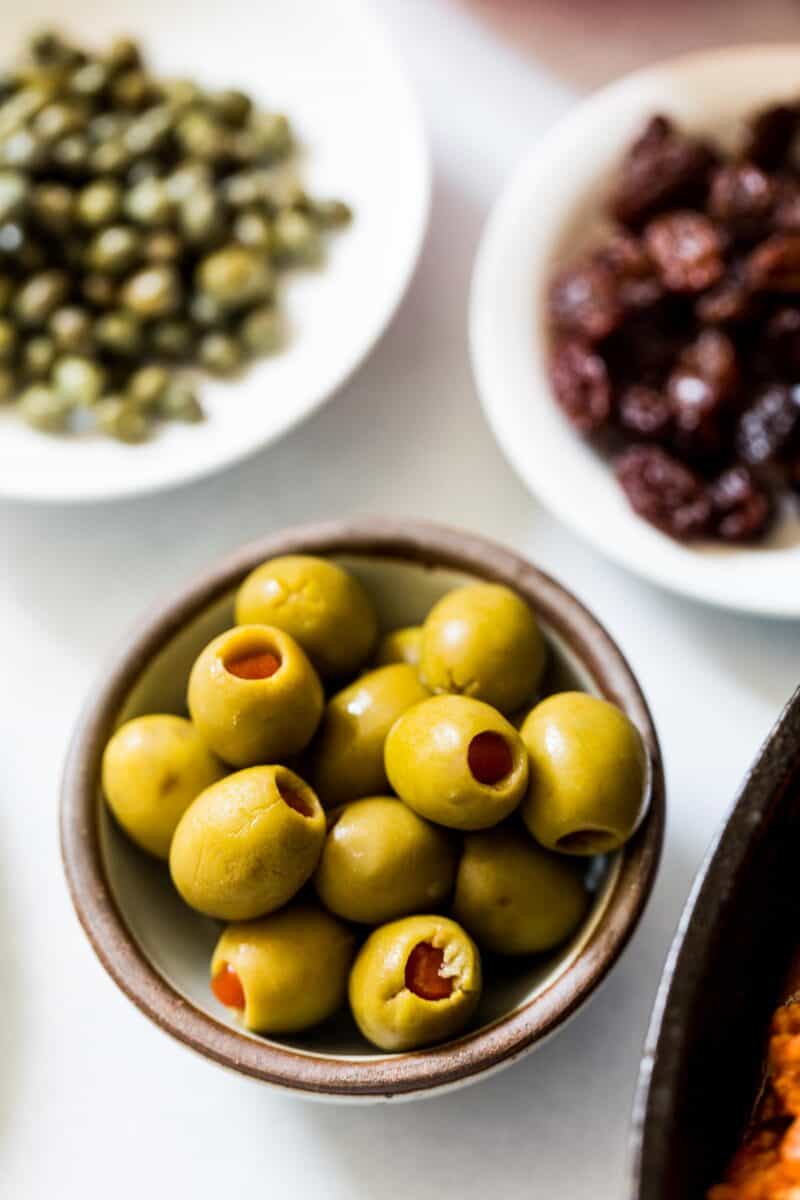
x=401 y=645
x=321 y=605
x=249 y=721
x=513 y=896
x=292 y=965
x=483 y=641
x=381 y=861
x=588 y=781
x=153 y=768
x=348 y=755
x=387 y=1011
x=241 y=850
x=427 y=763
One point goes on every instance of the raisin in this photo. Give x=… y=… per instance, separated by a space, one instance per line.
x=643 y=351
x=771 y=135
x=786 y=214
x=742 y=508
x=782 y=341
x=699 y=419
x=645 y=412
x=583 y=300
x=729 y=301
x=581 y=384
x=664 y=491
x=768 y=430
x=663 y=167
x=713 y=356
x=774 y=266
x=686 y=249
x=742 y=197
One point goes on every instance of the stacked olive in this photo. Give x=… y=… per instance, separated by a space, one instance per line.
x=143 y=223
x=435 y=799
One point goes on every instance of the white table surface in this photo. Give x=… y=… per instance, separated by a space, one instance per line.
x=93 y=1100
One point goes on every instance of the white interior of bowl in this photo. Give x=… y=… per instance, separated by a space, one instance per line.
x=178 y=942
x=552 y=207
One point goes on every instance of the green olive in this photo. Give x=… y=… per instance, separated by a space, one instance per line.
x=153 y=768
x=254 y=695
x=382 y=861
x=153 y=292
x=235 y=276
x=513 y=896
x=348 y=754
x=401 y=645
x=589 y=771
x=457 y=761
x=290 y=969
x=247 y=844
x=322 y=606
x=483 y=641
x=78 y=380
x=415 y=982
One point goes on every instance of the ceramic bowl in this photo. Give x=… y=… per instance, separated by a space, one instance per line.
x=550 y=210
x=704 y=1055
x=158 y=950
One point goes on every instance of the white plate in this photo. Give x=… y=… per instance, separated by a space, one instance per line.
x=550 y=207
x=327 y=64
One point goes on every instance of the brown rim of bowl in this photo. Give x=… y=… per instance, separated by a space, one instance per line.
x=476 y=1052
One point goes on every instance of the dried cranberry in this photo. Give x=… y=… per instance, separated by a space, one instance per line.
x=645 y=412
x=772 y=132
x=583 y=300
x=769 y=428
x=742 y=197
x=741 y=508
x=686 y=249
x=581 y=384
x=664 y=491
x=774 y=266
x=663 y=167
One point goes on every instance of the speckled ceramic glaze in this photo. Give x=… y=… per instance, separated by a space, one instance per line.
x=158 y=951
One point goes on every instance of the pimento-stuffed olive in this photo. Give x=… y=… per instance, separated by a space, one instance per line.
x=415 y=982
x=254 y=696
x=247 y=844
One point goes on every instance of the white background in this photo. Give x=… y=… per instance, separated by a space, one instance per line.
x=94 y=1102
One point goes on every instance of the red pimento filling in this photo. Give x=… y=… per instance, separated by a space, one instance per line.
x=254 y=666
x=227 y=987
x=423 y=973
x=489 y=757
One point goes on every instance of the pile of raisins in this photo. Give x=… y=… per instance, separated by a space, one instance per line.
x=676 y=342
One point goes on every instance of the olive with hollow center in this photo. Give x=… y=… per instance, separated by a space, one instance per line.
x=254 y=695
x=589 y=768
x=247 y=844
x=415 y=982
x=457 y=761
x=153 y=768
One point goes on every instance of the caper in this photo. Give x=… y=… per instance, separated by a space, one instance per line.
x=8 y=385
x=89 y=80
x=179 y=402
x=106 y=126
x=180 y=94
x=232 y=106
x=153 y=292
x=39 y=296
x=8 y=341
x=57 y=120
x=71 y=329
x=123 y=53
x=220 y=353
x=162 y=246
x=121 y=420
x=38 y=356
x=235 y=276
x=331 y=214
x=172 y=338
x=99 y=289
x=187 y=178
x=119 y=333
x=14 y=190
x=205 y=311
x=252 y=228
x=114 y=249
x=53 y=206
x=147 y=132
x=72 y=153
x=78 y=380
x=6 y=292
x=201 y=216
x=262 y=330
x=44 y=409
x=99 y=202
x=200 y=136
x=296 y=238
x=48 y=47
x=22 y=150
x=111 y=157
x=147 y=386
x=243 y=189
x=148 y=202
x=131 y=89
x=269 y=135
x=12 y=237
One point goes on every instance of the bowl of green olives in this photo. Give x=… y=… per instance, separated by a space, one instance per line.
x=366 y=811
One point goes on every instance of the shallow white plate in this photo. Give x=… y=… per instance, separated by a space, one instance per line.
x=327 y=64
x=551 y=206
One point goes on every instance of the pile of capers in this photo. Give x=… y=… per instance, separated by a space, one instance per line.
x=143 y=222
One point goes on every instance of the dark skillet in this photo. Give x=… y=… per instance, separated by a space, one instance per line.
x=722 y=980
